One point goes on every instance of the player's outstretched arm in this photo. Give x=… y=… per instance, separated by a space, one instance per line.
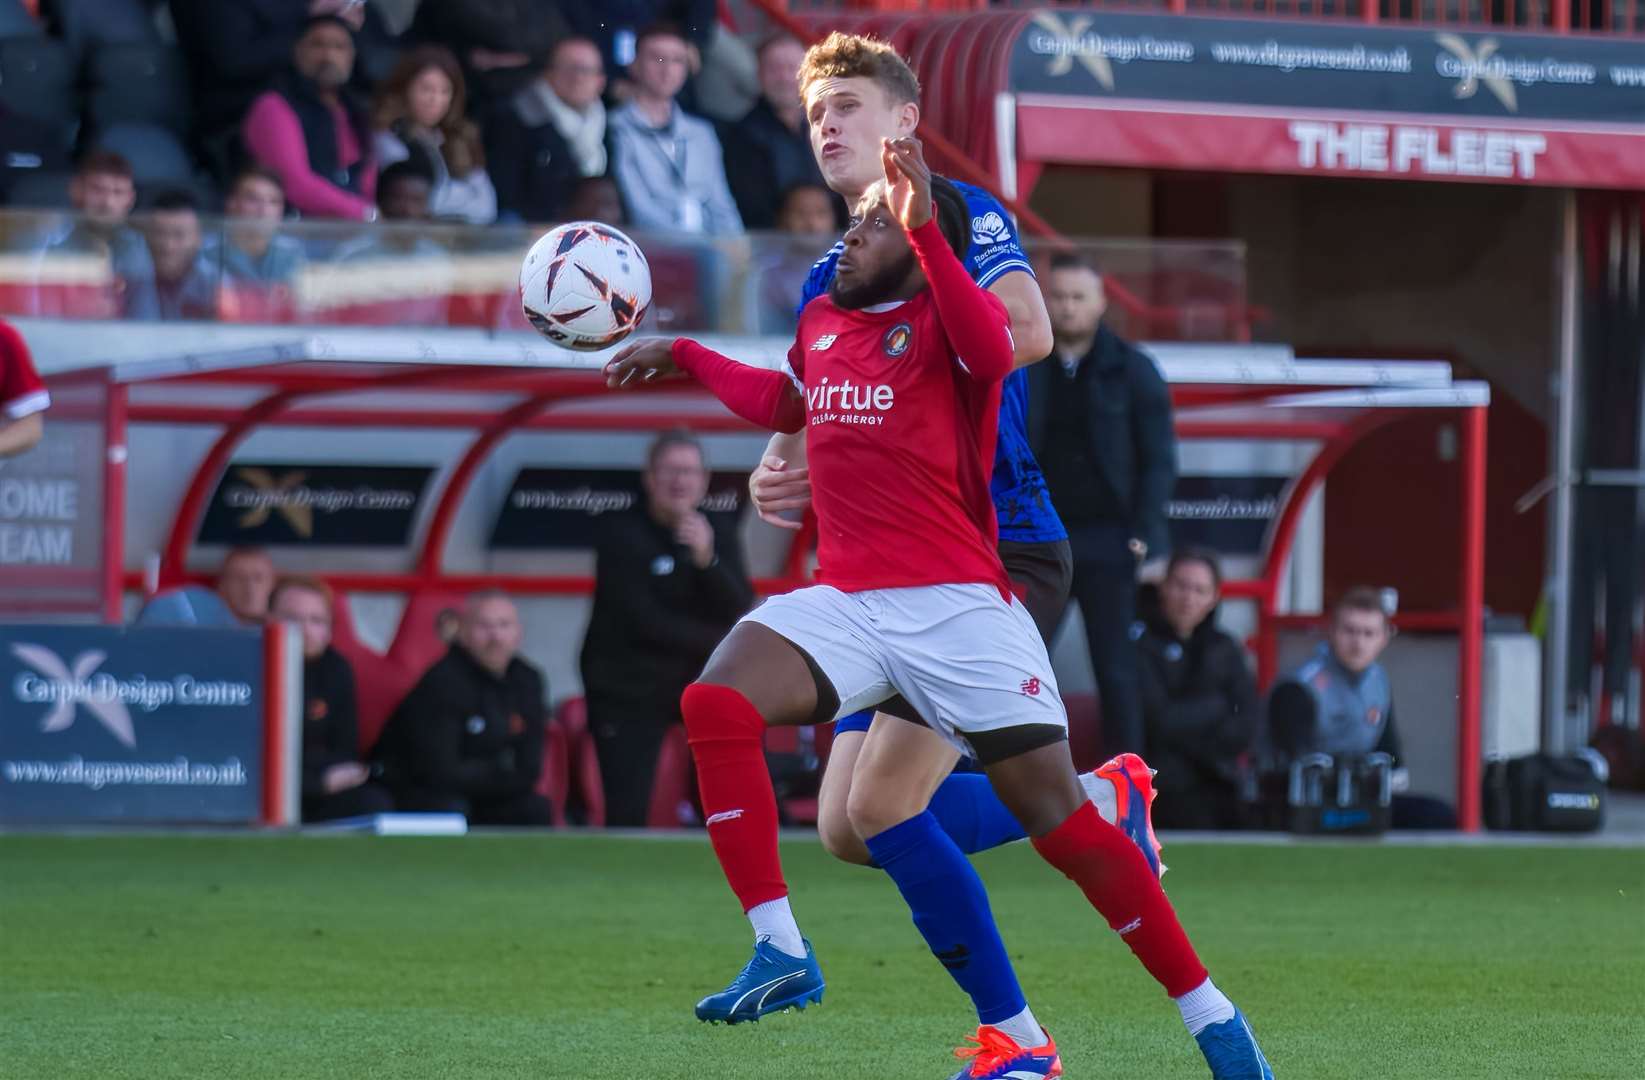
x=969 y=314
x=759 y=395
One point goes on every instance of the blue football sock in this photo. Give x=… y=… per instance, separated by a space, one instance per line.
x=972 y=815
x=950 y=909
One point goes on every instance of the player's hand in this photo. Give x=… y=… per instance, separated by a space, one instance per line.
x=908 y=179
x=775 y=488
x=344 y=775
x=642 y=362
x=696 y=535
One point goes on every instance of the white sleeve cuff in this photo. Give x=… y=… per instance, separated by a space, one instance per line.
x=27 y=405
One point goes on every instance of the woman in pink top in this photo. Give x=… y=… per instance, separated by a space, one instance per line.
x=306 y=129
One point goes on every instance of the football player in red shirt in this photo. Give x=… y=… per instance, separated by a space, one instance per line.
x=896 y=381
x=23 y=397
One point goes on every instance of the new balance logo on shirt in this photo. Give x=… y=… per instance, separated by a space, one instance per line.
x=822 y=343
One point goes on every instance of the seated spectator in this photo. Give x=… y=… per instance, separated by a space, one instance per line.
x=501 y=43
x=1341 y=703
x=668 y=585
x=245 y=583
x=335 y=782
x=596 y=198
x=808 y=218
x=616 y=26
x=768 y=151
x=255 y=261
x=468 y=739
x=422 y=292
x=421 y=116
x=235 y=49
x=102 y=193
x=1199 y=701
x=668 y=165
x=185 y=279
x=550 y=133
x=23 y=397
x=312 y=133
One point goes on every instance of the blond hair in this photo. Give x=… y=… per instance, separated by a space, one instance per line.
x=853 y=56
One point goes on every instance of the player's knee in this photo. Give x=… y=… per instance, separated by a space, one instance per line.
x=838 y=836
x=712 y=711
x=872 y=809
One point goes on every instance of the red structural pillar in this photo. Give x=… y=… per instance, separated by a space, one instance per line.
x=275 y=764
x=1471 y=635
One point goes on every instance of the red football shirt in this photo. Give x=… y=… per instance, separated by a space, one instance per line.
x=900 y=439
x=21 y=391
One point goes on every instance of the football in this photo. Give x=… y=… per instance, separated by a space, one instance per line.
x=585 y=286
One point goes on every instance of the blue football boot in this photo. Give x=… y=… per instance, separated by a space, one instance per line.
x=1232 y=1052
x=772 y=981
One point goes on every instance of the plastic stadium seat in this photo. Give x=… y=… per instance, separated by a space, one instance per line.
x=671 y=781
x=156 y=154
x=87 y=24
x=43 y=190
x=555 y=782
x=380 y=683
x=584 y=761
x=137 y=83
x=416 y=646
x=37 y=79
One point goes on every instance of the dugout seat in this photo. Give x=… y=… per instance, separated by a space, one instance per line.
x=554 y=784
x=1084 y=730
x=583 y=761
x=380 y=683
x=416 y=645
x=671 y=782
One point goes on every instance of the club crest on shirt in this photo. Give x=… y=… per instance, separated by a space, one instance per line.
x=989 y=228
x=897 y=339
x=662 y=565
x=475 y=725
x=318 y=710
x=1373 y=716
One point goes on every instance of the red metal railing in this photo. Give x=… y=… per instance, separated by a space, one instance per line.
x=1583 y=16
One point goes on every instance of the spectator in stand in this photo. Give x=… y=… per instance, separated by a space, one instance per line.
x=257 y=263
x=421 y=116
x=668 y=164
x=549 y=134
x=668 y=586
x=617 y=25
x=596 y=198
x=234 y=49
x=1099 y=422
x=768 y=151
x=1341 y=703
x=468 y=739
x=335 y=781
x=185 y=279
x=103 y=193
x=1199 y=701
x=309 y=129
x=809 y=216
x=404 y=192
x=501 y=43
x=245 y=583
x=23 y=397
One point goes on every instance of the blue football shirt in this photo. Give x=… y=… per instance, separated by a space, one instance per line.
x=1018 y=487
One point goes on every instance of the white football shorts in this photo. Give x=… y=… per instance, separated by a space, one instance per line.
x=964 y=658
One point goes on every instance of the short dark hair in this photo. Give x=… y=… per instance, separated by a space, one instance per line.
x=1073 y=260
x=405 y=169
x=173 y=199
x=335 y=20
x=575 y=39
x=953 y=215
x=1202 y=555
x=776 y=37
x=245 y=551
x=668 y=440
x=661 y=28
x=257 y=172
x=1360 y=598
x=103 y=163
x=835 y=204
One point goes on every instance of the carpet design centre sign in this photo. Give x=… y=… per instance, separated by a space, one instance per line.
x=322 y=505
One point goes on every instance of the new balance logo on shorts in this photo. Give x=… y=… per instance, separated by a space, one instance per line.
x=1031 y=687
x=722 y=817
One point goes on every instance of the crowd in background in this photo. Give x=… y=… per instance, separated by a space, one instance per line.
x=476 y=113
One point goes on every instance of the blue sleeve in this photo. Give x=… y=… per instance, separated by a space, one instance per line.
x=820 y=277
x=995 y=250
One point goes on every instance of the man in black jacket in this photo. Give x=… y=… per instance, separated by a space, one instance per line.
x=668 y=585
x=768 y=151
x=335 y=782
x=1199 y=701
x=548 y=135
x=468 y=739
x=1099 y=421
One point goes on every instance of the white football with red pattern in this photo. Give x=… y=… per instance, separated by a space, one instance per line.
x=585 y=286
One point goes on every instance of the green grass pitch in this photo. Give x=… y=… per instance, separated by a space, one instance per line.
x=580 y=956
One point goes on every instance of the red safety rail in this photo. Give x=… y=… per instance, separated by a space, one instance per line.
x=1588 y=16
x=542 y=391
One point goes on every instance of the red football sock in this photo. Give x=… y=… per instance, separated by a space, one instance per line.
x=727 y=737
x=1115 y=877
